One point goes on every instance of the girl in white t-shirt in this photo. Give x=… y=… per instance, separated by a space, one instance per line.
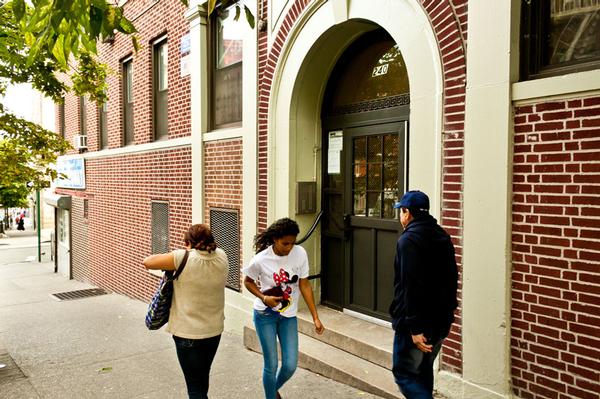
x=281 y=269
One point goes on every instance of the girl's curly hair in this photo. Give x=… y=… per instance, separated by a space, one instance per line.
x=200 y=237
x=279 y=228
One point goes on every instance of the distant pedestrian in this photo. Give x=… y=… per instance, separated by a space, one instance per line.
x=281 y=269
x=197 y=309
x=20 y=222
x=425 y=284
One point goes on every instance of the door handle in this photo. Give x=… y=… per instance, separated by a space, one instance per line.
x=347 y=227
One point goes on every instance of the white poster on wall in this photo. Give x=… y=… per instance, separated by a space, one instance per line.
x=185 y=65
x=335 y=146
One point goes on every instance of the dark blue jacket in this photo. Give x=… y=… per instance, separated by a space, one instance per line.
x=425 y=279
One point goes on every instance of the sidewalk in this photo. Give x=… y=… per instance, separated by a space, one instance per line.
x=22 y=239
x=98 y=347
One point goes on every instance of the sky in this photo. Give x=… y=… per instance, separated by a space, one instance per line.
x=29 y=104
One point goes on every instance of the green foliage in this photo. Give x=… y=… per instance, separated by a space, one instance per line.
x=66 y=28
x=217 y=5
x=27 y=153
x=14 y=196
x=91 y=78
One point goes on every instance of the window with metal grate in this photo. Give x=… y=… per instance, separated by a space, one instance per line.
x=160 y=227
x=225 y=226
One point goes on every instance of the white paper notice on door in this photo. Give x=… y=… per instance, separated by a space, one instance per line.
x=335 y=145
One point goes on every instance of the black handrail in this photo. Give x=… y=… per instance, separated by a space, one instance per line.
x=310 y=231
x=312 y=228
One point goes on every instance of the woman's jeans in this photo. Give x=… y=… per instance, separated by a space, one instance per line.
x=195 y=357
x=413 y=369
x=269 y=325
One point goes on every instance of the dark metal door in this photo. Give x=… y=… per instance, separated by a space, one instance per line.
x=360 y=226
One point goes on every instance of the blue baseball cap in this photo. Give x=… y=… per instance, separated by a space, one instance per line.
x=414 y=199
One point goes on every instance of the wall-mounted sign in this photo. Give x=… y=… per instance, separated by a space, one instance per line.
x=186 y=44
x=335 y=146
x=185 y=66
x=73 y=170
x=380 y=70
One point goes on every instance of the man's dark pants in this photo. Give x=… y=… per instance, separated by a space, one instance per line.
x=413 y=369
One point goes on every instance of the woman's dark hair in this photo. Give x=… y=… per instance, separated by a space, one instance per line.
x=279 y=228
x=200 y=237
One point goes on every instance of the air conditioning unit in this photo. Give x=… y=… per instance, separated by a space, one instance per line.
x=80 y=141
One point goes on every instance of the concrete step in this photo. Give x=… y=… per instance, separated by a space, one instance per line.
x=358 y=337
x=338 y=365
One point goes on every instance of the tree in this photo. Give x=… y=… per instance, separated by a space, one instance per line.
x=12 y=196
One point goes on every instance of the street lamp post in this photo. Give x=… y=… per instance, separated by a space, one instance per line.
x=39 y=225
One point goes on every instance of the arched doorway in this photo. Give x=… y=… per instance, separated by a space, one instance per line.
x=365 y=117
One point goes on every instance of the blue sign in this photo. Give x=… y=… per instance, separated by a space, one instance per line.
x=186 y=44
x=73 y=170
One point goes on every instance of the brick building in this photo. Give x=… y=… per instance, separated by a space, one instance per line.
x=338 y=107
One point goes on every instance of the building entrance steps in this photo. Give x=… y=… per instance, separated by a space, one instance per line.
x=352 y=351
x=361 y=338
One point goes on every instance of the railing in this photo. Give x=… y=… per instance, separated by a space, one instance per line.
x=312 y=228
x=310 y=231
x=564 y=8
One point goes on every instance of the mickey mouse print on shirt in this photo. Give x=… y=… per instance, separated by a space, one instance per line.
x=283 y=289
x=279 y=276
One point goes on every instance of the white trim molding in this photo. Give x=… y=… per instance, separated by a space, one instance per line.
x=135 y=149
x=565 y=86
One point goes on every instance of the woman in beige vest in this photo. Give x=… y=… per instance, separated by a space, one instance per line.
x=197 y=310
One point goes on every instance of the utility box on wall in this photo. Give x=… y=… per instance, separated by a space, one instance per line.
x=306 y=197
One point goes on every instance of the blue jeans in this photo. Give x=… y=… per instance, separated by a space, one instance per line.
x=270 y=325
x=413 y=369
x=195 y=358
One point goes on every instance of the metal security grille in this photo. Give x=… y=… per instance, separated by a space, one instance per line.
x=225 y=227
x=69 y=295
x=160 y=227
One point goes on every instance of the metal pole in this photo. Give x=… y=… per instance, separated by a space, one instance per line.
x=39 y=226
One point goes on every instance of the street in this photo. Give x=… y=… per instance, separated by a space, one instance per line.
x=98 y=347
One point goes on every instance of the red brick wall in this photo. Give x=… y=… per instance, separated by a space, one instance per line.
x=449 y=22
x=152 y=20
x=120 y=188
x=223 y=180
x=556 y=250
x=120 y=191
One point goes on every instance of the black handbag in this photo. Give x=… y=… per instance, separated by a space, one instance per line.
x=160 y=305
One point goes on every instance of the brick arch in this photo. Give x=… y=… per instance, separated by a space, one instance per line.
x=448 y=19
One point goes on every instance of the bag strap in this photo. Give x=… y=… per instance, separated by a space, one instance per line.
x=182 y=265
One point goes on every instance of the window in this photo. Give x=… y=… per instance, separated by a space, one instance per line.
x=160 y=88
x=128 y=102
x=85 y=208
x=82 y=116
x=375 y=178
x=559 y=36
x=61 y=119
x=226 y=56
x=102 y=128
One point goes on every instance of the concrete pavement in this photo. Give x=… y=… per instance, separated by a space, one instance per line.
x=98 y=347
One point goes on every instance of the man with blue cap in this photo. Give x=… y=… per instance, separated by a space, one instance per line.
x=425 y=285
